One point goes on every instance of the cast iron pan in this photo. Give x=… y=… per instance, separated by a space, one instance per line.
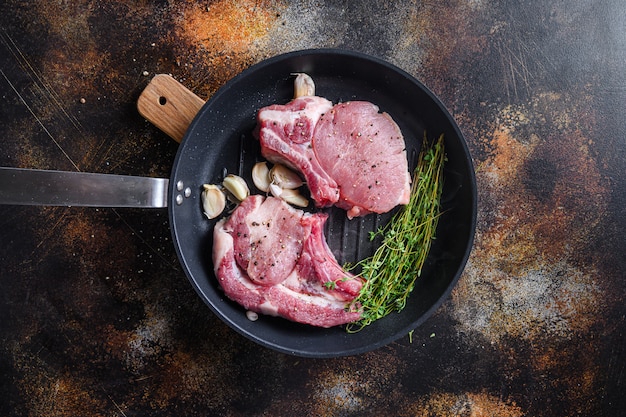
x=219 y=140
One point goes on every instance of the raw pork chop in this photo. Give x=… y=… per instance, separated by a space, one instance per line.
x=351 y=155
x=286 y=132
x=364 y=152
x=273 y=259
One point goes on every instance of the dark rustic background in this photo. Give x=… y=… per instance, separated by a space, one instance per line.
x=98 y=319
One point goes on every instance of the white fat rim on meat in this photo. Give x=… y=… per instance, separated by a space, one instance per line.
x=222 y=242
x=315 y=107
x=269 y=308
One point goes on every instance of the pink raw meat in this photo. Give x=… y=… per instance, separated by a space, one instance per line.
x=350 y=155
x=364 y=152
x=294 y=286
x=285 y=133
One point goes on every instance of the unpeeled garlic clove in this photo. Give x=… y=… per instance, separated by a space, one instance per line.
x=284 y=177
x=275 y=190
x=237 y=186
x=213 y=200
x=261 y=176
x=294 y=197
x=303 y=86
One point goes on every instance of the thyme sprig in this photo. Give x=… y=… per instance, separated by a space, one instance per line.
x=391 y=272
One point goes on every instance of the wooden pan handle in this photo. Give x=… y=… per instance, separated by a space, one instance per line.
x=169 y=105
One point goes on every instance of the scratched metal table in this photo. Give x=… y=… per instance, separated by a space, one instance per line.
x=98 y=319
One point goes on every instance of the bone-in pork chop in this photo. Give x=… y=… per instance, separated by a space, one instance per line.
x=350 y=155
x=285 y=133
x=273 y=259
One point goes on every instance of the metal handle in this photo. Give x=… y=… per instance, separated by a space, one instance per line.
x=63 y=188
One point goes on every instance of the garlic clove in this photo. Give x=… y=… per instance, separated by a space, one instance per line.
x=275 y=190
x=213 y=200
x=294 y=197
x=284 y=177
x=236 y=186
x=251 y=315
x=261 y=176
x=303 y=86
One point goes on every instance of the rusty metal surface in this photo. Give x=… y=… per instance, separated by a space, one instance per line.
x=97 y=318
